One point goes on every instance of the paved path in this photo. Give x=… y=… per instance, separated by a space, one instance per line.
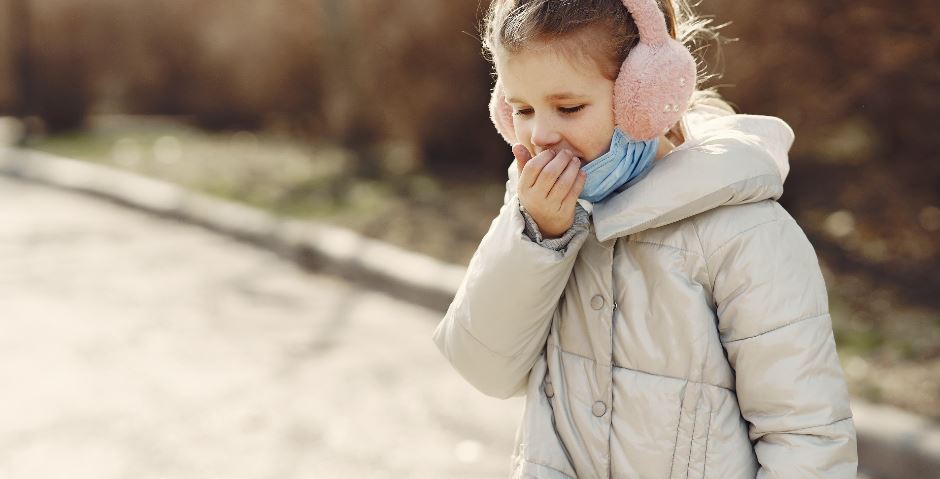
x=135 y=347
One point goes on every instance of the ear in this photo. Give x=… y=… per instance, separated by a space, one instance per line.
x=501 y=114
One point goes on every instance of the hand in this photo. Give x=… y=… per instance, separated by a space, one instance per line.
x=549 y=185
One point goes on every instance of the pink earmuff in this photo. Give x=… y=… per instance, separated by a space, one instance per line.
x=653 y=88
x=501 y=114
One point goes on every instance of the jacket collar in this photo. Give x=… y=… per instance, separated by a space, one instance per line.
x=726 y=159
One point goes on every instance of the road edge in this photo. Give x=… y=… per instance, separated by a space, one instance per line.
x=315 y=246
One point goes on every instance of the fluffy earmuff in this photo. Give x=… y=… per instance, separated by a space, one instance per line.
x=656 y=81
x=652 y=90
x=501 y=114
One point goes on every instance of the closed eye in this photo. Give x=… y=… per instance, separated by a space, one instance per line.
x=565 y=110
x=573 y=109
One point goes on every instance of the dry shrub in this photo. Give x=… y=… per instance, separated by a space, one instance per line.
x=413 y=71
x=362 y=73
x=58 y=66
x=9 y=36
x=229 y=64
x=858 y=82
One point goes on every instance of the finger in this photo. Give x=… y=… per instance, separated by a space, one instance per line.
x=576 y=189
x=565 y=181
x=522 y=156
x=550 y=173
x=533 y=168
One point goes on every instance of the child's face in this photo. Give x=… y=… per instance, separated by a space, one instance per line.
x=556 y=103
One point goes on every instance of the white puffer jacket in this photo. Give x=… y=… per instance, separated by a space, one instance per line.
x=683 y=332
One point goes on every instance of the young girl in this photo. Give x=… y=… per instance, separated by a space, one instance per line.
x=663 y=315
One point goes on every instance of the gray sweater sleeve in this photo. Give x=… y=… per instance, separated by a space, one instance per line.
x=531 y=229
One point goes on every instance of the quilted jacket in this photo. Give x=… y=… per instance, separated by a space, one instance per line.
x=682 y=332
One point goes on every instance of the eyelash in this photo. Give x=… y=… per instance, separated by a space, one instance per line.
x=567 y=111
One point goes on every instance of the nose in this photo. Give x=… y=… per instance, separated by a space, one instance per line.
x=544 y=135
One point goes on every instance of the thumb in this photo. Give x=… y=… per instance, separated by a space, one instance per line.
x=522 y=155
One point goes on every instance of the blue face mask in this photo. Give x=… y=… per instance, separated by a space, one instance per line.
x=625 y=160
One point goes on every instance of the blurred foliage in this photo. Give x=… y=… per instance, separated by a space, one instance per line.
x=405 y=81
x=858 y=82
x=364 y=73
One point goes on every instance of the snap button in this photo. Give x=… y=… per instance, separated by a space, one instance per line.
x=549 y=390
x=599 y=408
x=597 y=302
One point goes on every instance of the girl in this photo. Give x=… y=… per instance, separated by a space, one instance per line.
x=663 y=315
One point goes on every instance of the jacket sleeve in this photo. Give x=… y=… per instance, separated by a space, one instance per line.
x=498 y=322
x=776 y=330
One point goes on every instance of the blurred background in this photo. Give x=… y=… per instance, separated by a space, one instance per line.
x=372 y=115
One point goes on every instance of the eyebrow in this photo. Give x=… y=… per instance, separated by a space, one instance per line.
x=553 y=97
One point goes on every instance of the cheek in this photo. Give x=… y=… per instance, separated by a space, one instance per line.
x=600 y=136
x=594 y=141
x=523 y=133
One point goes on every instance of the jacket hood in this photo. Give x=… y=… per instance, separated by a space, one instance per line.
x=726 y=159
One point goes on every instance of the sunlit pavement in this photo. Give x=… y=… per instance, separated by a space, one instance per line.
x=137 y=347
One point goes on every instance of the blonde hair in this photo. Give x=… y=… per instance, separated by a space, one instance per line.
x=611 y=34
